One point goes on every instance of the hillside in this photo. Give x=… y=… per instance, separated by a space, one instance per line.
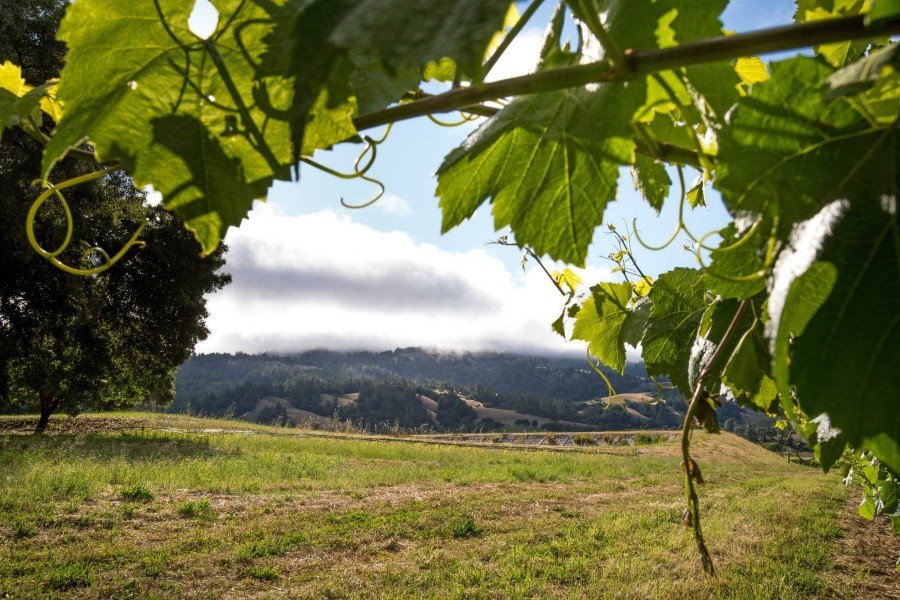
x=418 y=389
x=170 y=506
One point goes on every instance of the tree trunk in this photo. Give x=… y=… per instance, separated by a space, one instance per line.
x=49 y=403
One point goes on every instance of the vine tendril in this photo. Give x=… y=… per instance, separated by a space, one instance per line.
x=368 y=156
x=465 y=118
x=55 y=190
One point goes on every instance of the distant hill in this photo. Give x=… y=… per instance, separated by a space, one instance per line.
x=415 y=388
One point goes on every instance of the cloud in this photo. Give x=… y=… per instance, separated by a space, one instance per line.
x=394 y=205
x=323 y=280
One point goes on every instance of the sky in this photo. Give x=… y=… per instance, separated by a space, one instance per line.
x=309 y=273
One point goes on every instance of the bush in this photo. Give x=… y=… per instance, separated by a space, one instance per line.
x=69 y=577
x=263 y=573
x=551 y=439
x=136 y=493
x=23 y=528
x=583 y=439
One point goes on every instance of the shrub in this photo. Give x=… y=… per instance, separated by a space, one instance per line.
x=136 y=493
x=23 y=528
x=263 y=573
x=464 y=527
x=583 y=439
x=551 y=439
x=69 y=577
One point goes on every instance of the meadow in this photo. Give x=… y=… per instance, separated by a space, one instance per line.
x=148 y=506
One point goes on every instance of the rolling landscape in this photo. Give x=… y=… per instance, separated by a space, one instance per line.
x=466 y=299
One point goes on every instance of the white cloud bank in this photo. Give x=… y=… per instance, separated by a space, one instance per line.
x=324 y=281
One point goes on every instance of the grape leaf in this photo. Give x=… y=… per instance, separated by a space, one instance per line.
x=405 y=33
x=651 y=179
x=836 y=53
x=804 y=297
x=696 y=195
x=729 y=264
x=212 y=146
x=714 y=322
x=601 y=323
x=374 y=87
x=678 y=303
x=883 y=11
x=549 y=163
x=21 y=103
x=746 y=372
x=844 y=364
x=786 y=152
x=862 y=74
x=667 y=23
x=13 y=108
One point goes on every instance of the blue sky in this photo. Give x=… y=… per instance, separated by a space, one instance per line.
x=305 y=244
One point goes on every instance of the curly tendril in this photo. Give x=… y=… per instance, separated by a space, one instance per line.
x=361 y=166
x=682 y=226
x=771 y=247
x=55 y=190
x=464 y=118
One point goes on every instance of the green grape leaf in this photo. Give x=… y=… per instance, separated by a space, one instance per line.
x=601 y=323
x=633 y=329
x=552 y=48
x=678 y=302
x=375 y=88
x=210 y=144
x=836 y=53
x=549 y=163
x=18 y=100
x=321 y=110
x=862 y=74
x=405 y=33
x=792 y=304
x=844 y=364
x=696 y=195
x=784 y=145
x=667 y=23
x=652 y=180
x=330 y=118
x=883 y=11
x=734 y=265
x=746 y=372
x=714 y=322
x=828 y=443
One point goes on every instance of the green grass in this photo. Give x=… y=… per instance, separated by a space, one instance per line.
x=150 y=513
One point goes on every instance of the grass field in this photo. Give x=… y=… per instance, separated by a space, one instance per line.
x=145 y=506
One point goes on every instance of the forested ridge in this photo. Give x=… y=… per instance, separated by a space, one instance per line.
x=414 y=388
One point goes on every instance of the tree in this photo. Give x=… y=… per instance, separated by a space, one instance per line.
x=68 y=342
x=802 y=288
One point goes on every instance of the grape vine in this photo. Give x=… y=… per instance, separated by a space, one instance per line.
x=801 y=289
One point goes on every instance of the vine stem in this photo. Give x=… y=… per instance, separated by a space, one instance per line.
x=640 y=62
x=690 y=467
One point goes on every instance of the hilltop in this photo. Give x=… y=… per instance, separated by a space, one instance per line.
x=142 y=505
